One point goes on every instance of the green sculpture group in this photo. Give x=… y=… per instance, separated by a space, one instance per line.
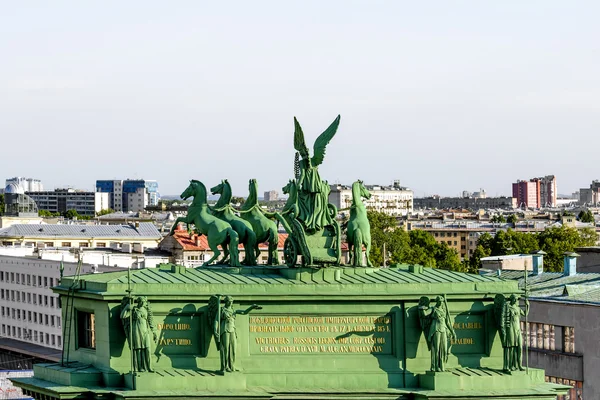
x=314 y=234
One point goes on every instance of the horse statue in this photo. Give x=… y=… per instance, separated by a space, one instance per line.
x=217 y=231
x=290 y=210
x=225 y=211
x=359 y=229
x=264 y=228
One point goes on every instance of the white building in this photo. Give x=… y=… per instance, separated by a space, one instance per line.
x=138 y=236
x=29 y=310
x=27 y=184
x=392 y=200
x=271 y=195
x=62 y=200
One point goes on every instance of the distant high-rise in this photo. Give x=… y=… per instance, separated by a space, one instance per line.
x=536 y=193
x=27 y=184
x=129 y=195
x=271 y=195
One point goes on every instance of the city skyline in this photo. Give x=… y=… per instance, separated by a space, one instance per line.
x=450 y=98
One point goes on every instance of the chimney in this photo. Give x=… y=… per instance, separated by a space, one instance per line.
x=538 y=261
x=197 y=240
x=570 y=263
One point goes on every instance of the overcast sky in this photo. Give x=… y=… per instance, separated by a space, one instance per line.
x=445 y=96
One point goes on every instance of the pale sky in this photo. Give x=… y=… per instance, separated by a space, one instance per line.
x=444 y=95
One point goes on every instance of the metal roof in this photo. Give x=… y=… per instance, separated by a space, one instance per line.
x=143 y=230
x=178 y=282
x=581 y=287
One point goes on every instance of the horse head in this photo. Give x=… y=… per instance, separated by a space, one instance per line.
x=189 y=191
x=290 y=187
x=195 y=189
x=362 y=189
x=219 y=188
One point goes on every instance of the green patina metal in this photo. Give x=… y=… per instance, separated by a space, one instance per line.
x=359 y=229
x=226 y=212
x=217 y=231
x=320 y=333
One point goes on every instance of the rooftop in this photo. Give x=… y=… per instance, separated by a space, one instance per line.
x=144 y=230
x=395 y=281
x=556 y=286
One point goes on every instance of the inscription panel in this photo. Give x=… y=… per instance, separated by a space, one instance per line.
x=324 y=334
x=470 y=334
x=178 y=334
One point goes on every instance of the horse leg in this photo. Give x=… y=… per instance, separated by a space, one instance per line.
x=249 y=246
x=273 y=242
x=367 y=241
x=233 y=245
x=225 y=254
x=358 y=242
x=215 y=249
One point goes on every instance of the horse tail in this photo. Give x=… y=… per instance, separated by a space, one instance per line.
x=234 y=241
x=358 y=245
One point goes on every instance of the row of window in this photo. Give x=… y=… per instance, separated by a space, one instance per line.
x=27 y=279
x=31 y=335
x=543 y=336
x=576 y=393
x=23 y=297
x=30 y=316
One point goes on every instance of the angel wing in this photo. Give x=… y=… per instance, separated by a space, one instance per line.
x=500 y=315
x=424 y=319
x=322 y=142
x=214 y=310
x=299 y=143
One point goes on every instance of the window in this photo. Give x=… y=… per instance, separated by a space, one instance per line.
x=101 y=244
x=84 y=244
x=45 y=281
x=65 y=244
x=86 y=330
x=569 y=339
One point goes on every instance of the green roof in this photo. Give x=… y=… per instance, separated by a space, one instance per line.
x=169 y=279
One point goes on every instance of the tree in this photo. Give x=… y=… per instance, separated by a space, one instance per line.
x=498 y=218
x=105 y=212
x=1 y=204
x=46 y=213
x=586 y=216
x=475 y=259
x=414 y=247
x=556 y=241
x=237 y=200
x=512 y=219
x=70 y=214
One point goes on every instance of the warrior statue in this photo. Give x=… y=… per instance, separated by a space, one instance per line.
x=508 y=315
x=437 y=327
x=312 y=191
x=222 y=320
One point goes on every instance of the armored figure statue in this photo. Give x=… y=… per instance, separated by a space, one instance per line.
x=313 y=192
x=508 y=321
x=223 y=324
x=437 y=327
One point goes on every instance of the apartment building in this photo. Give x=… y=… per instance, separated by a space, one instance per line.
x=30 y=314
x=62 y=200
x=536 y=193
x=129 y=195
x=392 y=200
x=463 y=236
